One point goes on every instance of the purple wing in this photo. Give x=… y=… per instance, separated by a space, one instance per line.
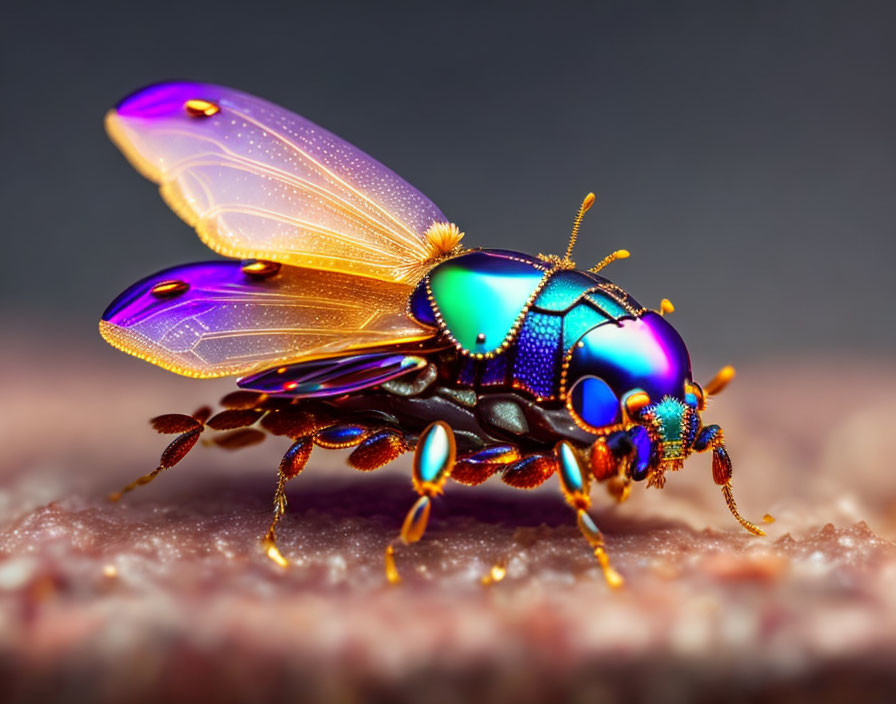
x=226 y=318
x=257 y=181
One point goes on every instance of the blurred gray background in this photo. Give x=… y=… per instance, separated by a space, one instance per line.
x=743 y=151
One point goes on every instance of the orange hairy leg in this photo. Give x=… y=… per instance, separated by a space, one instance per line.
x=242 y=409
x=236 y=423
x=374 y=448
x=189 y=427
x=475 y=467
x=529 y=472
x=291 y=465
x=236 y=420
x=378 y=449
x=238 y=439
x=305 y=423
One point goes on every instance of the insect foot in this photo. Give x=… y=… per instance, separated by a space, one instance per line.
x=291 y=466
x=189 y=427
x=433 y=462
x=575 y=484
x=711 y=438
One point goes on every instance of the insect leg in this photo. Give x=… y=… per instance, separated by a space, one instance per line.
x=433 y=462
x=574 y=482
x=189 y=429
x=522 y=473
x=309 y=428
x=235 y=423
x=609 y=460
x=302 y=424
x=291 y=465
x=378 y=449
x=476 y=467
x=710 y=437
x=529 y=472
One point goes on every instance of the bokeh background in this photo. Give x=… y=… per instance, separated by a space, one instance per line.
x=745 y=152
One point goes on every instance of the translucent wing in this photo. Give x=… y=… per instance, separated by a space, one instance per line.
x=223 y=318
x=257 y=181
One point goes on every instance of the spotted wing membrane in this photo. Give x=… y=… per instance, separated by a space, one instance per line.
x=259 y=182
x=214 y=319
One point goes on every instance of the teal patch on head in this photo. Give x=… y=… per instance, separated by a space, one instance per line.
x=480 y=297
x=669 y=414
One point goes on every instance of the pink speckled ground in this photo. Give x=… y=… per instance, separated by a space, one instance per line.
x=165 y=597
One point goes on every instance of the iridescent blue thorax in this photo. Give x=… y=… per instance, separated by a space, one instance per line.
x=556 y=333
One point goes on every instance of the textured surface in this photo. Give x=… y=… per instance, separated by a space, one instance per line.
x=166 y=596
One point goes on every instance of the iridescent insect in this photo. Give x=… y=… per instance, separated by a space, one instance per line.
x=356 y=319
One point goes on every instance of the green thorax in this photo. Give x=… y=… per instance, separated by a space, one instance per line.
x=480 y=299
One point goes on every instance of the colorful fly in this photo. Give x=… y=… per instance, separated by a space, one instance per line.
x=355 y=319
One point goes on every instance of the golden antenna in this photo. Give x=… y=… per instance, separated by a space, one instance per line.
x=609 y=259
x=583 y=208
x=666 y=307
x=719 y=381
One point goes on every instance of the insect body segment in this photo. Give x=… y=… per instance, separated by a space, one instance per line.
x=356 y=320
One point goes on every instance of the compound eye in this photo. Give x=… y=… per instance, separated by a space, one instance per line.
x=694 y=396
x=643 y=453
x=593 y=404
x=635 y=402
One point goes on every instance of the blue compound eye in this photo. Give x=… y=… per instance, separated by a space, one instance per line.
x=642 y=457
x=694 y=396
x=593 y=403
